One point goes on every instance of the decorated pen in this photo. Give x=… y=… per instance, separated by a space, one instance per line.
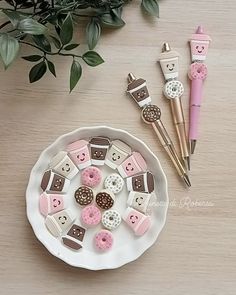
x=173 y=90
x=151 y=115
x=199 y=44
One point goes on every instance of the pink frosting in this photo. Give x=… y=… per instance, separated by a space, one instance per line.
x=76 y=145
x=140 y=160
x=91 y=176
x=143 y=227
x=50 y=203
x=198 y=71
x=91 y=215
x=103 y=240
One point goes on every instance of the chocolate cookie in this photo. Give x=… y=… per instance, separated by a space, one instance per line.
x=105 y=199
x=84 y=195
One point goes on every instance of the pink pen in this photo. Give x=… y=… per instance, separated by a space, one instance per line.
x=199 y=44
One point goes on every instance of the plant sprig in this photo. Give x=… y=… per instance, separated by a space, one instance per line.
x=48 y=27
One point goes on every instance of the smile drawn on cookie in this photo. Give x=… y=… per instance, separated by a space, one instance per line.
x=67 y=169
x=113 y=158
x=58 y=183
x=81 y=159
x=170 y=68
x=129 y=169
x=98 y=154
x=133 y=218
x=201 y=50
x=137 y=200
x=62 y=219
x=58 y=203
x=137 y=183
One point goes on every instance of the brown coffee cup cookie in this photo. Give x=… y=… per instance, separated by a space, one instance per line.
x=84 y=195
x=105 y=199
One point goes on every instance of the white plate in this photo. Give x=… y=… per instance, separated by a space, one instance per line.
x=127 y=247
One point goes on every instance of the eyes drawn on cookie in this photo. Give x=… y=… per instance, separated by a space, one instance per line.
x=170 y=67
x=141 y=94
x=81 y=157
x=200 y=49
x=115 y=158
x=58 y=183
x=66 y=168
x=129 y=167
x=62 y=219
x=139 y=201
x=138 y=183
x=133 y=218
x=98 y=154
x=56 y=203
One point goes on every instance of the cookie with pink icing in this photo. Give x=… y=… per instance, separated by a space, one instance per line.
x=199 y=44
x=132 y=165
x=103 y=240
x=91 y=215
x=198 y=71
x=78 y=151
x=50 y=203
x=91 y=176
x=137 y=221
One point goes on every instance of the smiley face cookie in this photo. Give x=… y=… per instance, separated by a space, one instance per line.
x=117 y=153
x=99 y=147
x=55 y=183
x=79 y=153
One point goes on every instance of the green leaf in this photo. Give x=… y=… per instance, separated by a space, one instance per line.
x=151 y=6
x=56 y=42
x=92 y=58
x=66 y=32
x=51 y=67
x=42 y=42
x=9 y=48
x=93 y=32
x=118 y=11
x=32 y=58
x=14 y=16
x=71 y=46
x=112 y=20
x=37 y=71
x=31 y=26
x=75 y=74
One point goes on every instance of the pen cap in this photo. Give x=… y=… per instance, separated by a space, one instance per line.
x=199 y=44
x=169 y=62
x=137 y=88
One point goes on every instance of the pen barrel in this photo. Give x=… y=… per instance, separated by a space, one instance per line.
x=195 y=104
x=178 y=118
x=168 y=145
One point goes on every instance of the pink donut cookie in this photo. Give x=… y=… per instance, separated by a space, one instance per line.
x=91 y=176
x=103 y=240
x=198 y=71
x=91 y=215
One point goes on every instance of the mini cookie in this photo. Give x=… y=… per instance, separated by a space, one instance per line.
x=117 y=153
x=91 y=215
x=74 y=236
x=91 y=176
x=111 y=219
x=50 y=203
x=99 y=147
x=141 y=183
x=132 y=165
x=79 y=153
x=114 y=183
x=58 y=222
x=53 y=182
x=105 y=199
x=103 y=240
x=63 y=165
x=137 y=221
x=141 y=201
x=138 y=90
x=84 y=195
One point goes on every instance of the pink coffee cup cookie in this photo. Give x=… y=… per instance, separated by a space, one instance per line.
x=79 y=153
x=132 y=165
x=50 y=203
x=103 y=240
x=91 y=176
x=91 y=215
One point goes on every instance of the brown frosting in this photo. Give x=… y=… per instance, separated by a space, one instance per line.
x=104 y=200
x=100 y=141
x=57 y=183
x=84 y=195
x=77 y=232
x=135 y=84
x=150 y=182
x=45 y=180
x=98 y=153
x=138 y=183
x=71 y=244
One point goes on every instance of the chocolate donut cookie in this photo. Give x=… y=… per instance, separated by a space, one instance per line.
x=151 y=113
x=84 y=195
x=105 y=199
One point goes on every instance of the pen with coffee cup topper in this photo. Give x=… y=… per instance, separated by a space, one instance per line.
x=173 y=90
x=199 y=44
x=151 y=114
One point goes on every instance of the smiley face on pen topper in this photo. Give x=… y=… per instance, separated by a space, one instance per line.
x=169 y=61
x=199 y=44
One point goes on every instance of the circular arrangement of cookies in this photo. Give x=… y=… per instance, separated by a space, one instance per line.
x=96 y=207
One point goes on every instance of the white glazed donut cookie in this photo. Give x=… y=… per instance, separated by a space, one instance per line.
x=111 y=219
x=114 y=182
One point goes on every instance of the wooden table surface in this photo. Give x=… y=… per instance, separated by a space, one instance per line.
x=195 y=253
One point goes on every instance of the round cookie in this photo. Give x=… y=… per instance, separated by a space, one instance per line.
x=84 y=195
x=105 y=199
x=111 y=219
x=114 y=182
x=103 y=240
x=91 y=176
x=91 y=215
